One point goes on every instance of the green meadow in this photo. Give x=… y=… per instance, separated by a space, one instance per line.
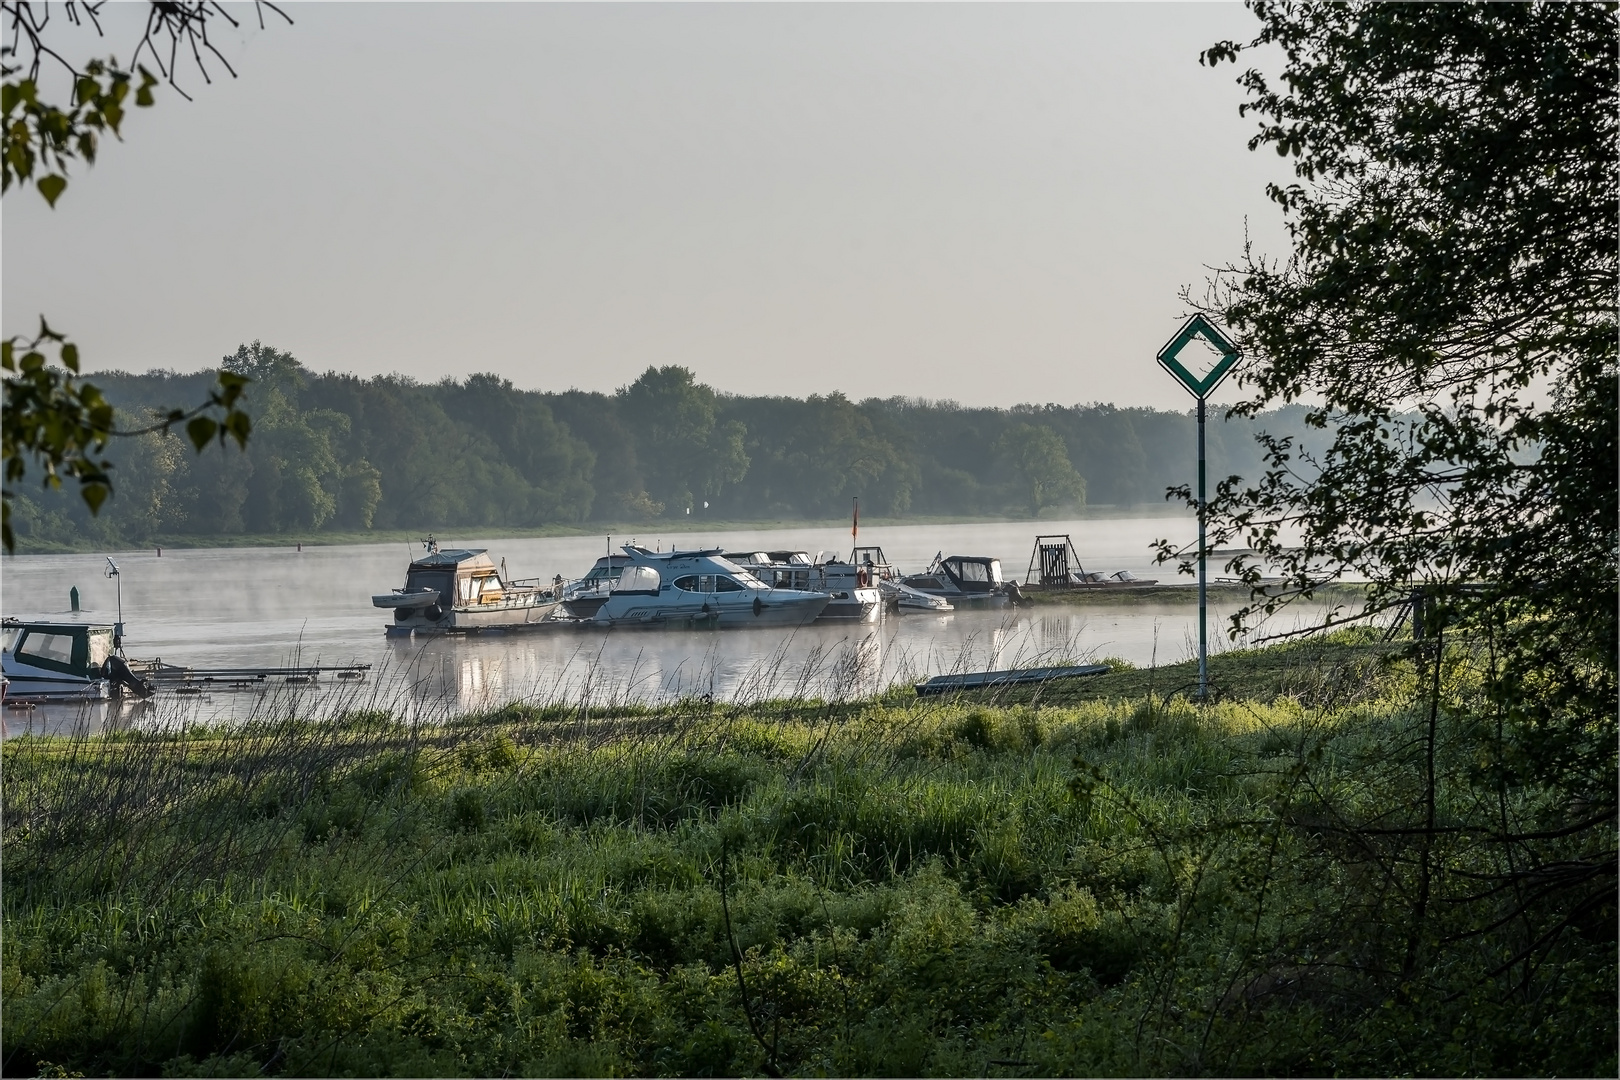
x=1096 y=878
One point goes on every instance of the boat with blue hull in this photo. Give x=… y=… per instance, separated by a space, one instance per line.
x=700 y=589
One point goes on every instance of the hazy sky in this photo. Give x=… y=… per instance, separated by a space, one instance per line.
x=991 y=203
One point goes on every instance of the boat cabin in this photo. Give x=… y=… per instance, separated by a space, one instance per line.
x=79 y=649
x=460 y=577
x=55 y=657
x=967 y=574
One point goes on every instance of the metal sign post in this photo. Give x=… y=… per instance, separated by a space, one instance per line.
x=1199 y=347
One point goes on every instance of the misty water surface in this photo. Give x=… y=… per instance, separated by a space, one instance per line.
x=277 y=606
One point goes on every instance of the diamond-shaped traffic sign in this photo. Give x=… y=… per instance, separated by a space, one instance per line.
x=1199 y=356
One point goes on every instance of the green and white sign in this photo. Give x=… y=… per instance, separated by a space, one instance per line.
x=1199 y=356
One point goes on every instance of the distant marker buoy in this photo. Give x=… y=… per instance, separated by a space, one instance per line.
x=73 y=597
x=160 y=551
x=300 y=546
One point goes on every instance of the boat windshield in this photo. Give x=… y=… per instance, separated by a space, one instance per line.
x=53 y=648
x=638 y=579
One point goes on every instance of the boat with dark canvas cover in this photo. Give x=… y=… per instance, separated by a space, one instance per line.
x=962 y=579
x=45 y=660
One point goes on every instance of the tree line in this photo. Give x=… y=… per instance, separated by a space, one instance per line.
x=337 y=453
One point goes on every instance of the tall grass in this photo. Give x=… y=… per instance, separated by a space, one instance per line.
x=1049 y=882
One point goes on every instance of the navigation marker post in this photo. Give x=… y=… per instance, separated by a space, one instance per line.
x=1199 y=357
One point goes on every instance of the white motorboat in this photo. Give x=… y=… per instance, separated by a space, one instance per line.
x=701 y=589
x=899 y=596
x=46 y=661
x=581 y=599
x=853 y=590
x=462 y=591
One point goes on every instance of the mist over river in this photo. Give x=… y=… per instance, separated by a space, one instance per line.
x=238 y=607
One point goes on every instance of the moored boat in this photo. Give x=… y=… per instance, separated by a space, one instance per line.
x=45 y=660
x=700 y=589
x=853 y=591
x=463 y=591
x=582 y=599
x=897 y=595
x=962 y=579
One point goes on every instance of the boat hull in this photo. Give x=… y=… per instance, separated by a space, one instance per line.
x=718 y=610
x=425 y=598
x=854 y=605
x=22 y=685
x=473 y=618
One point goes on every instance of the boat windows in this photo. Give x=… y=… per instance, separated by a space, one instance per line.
x=975 y=571
x=638 y=579
x=709 y=583
x=53 y=649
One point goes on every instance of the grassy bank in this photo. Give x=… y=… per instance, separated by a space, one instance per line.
x=1103 y=880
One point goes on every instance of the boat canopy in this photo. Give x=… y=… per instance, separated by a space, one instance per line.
x=447 y=560
x=68 y=648
x=972 y=573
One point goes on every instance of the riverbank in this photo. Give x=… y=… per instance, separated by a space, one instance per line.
x=1102 y=880
x=1180 y=592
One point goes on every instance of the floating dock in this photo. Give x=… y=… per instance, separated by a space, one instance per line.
x=986 y=680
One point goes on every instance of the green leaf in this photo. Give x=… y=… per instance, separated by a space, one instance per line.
x=200 y=430
x=52 y=187
x=94 y=495
x=70 y=356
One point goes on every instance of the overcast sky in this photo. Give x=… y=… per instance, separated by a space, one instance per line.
x=994 y=204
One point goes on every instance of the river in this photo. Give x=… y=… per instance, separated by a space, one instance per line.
x=219 y=607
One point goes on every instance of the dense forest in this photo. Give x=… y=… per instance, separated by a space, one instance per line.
x=337 y=453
